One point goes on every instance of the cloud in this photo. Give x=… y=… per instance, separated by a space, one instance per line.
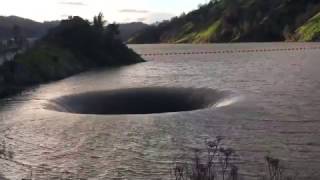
x=133 y=11
x=72 y=3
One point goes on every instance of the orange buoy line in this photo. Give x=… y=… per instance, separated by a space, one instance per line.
x=232 y=51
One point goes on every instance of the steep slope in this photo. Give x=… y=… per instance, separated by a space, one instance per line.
x=235 y=21
x=310 y=31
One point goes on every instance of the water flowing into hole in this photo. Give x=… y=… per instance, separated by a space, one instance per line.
x=151 y=100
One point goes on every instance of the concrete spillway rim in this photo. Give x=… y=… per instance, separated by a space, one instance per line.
x=141 y=101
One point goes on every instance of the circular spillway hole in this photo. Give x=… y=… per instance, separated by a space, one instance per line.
x=138 y=101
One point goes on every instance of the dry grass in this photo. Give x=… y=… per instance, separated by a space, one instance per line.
x=218 y=163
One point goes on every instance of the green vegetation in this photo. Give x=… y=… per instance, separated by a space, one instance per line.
x=41 y=64
x=73 y=46
x=204 y=36
x=239 y=21
x=311 y=30
x=209 y=33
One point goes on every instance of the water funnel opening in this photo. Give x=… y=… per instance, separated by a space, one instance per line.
x=137 y=101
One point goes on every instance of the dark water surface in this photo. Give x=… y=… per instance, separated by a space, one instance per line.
x=274 y=109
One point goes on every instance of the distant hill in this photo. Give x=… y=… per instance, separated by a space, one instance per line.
x=29 y=27
x=239 y=21
x=32 y=28
x=74 y=46
x=127 y=30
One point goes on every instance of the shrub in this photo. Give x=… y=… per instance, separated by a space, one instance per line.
x=218 y=163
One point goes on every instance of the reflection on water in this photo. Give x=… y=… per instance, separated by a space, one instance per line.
x=227 y=102
x=278 y=114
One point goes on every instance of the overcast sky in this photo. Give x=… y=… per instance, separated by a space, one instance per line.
x=148 y=11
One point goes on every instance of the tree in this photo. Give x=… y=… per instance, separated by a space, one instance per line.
x=113 y=29
x=18 y=35
x=99 y=22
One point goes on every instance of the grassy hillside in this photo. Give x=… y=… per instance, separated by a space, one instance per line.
x=310 y=31
x=238 y=21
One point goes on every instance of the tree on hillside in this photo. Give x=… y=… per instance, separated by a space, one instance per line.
x=235 y=20
x=92 y=40
x=18 y=36
x=99 y=22
x=113 y=29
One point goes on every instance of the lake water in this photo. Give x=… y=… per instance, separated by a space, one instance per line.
x=274 y=110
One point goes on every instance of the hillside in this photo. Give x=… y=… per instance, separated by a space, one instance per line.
x=29 y=27
x=32 y=28
x=239 y=21
x=127 y=30
x=310 y=31
x=75 y=45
